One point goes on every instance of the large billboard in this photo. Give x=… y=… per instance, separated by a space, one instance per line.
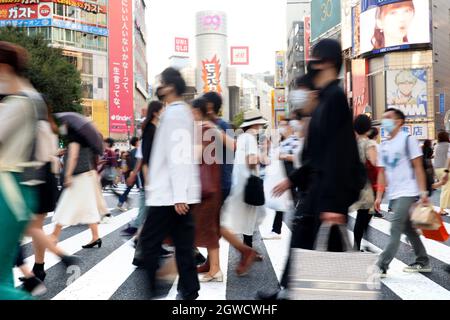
x=280 y=69
x=389 y=25
x=406 y=90
x=121 y=79
x=325 y=15
x=211 y=75
x=83 y=5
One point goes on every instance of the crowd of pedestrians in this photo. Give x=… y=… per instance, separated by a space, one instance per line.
x=199 y=180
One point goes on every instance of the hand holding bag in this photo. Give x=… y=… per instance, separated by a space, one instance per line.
x=440 y=234
x=424 y=217
x=321 y=275
x=254 y=191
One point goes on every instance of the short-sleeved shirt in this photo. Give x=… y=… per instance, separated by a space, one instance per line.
x=393 y=157
x=290 y=145
x=228 y=157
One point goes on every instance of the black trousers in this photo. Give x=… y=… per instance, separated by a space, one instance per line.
x=161 y=222
x=361 y=225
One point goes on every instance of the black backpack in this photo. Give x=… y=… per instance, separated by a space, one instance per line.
x=427 y=167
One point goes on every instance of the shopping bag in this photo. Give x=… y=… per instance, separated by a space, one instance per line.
x=322 y=275
x=275 y=174
x=440 y=234
x=424 y=217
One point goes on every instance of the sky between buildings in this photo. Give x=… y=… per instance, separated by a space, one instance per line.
x=259 y=24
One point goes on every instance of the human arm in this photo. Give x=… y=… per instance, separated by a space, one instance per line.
x=381 y=182
x=417 y=164
x=73 y=154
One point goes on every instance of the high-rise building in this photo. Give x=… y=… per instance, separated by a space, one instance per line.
x=81 y=28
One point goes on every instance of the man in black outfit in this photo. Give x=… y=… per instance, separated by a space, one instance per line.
x=330 y=176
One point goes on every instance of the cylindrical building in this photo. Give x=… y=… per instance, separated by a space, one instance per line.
x=212 y=55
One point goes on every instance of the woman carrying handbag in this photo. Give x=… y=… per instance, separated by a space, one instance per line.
x=237 y=215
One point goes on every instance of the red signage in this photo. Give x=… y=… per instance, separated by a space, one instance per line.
x=45 y=11
x=360 y=84
x=18 y=12
x=211 y=75
x=307 y=37
x=182 y=45
x=121 y=80
x=240 y=56
x=86 y=6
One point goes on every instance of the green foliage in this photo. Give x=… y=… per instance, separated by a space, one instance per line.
x=48 y=70
x=238 y=119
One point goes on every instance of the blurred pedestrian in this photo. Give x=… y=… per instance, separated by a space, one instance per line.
x=81 y=201
x=237 y=216
x=131 y=164
x=368 y=155
x=442 y=155
x=207 y=213
x=173 y=186
x=18 y=201
x=402 y=172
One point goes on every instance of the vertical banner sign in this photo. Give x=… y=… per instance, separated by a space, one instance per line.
x=211 y=75
x=280 y=69
x=307 y=37
x=360 y=86
x=121 y=80
x=181 y=45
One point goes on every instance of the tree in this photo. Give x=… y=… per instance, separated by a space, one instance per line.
x=48 y=70
x=238 y=119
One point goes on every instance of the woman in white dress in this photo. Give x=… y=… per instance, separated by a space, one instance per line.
x=81 y=201
x=237 y=216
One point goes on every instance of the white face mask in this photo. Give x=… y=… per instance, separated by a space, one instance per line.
x=296 y=125
x=298 y=98
x=283 y=131
x=63 y=131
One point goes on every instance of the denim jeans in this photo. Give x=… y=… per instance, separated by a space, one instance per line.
x=140 y=219
x=401 y=224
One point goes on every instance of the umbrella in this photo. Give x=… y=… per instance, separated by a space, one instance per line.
x=84 y=128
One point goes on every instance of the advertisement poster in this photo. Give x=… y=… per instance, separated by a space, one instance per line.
x=325 y=15
x=406 y=90
x=280 y=99
x=307 y=39
x=356 y=30
x=394 y=25
x=419 y=131
x=280 y=69
x=121 y=80
x=360 y=86
x=346 y=24
x=211 y=75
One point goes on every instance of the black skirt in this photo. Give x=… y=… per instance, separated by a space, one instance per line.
x=48 y=192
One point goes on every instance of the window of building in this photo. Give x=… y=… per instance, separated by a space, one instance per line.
x=87 y=65
x=100 y=83
x=87 y=87
x=58 y=9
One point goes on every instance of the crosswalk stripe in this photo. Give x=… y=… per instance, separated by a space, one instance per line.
x=409 y=286
x=435 y=249
x=73 y=244
x=48 y=229
x=101 y=281
x=278 y=250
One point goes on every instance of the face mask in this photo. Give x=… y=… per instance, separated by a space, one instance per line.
x=63 y=130
x=296 y=125
x=298 y=98
x=388 y=125
x=282 y=131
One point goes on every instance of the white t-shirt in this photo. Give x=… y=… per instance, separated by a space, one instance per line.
x=400 y=175
x=139 y=152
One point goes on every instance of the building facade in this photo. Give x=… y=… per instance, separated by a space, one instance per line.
x=80 y=28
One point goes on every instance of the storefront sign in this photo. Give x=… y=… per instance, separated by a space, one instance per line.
x=181 y=45
x=325 y=15
x=121 y=80
x=83 y=5
x=307 y=39
x=79 y=27
x=280 y=69
x=419 y=131
x=360 y=86
x=211 y=75
x=239 y=55
x=26 y=23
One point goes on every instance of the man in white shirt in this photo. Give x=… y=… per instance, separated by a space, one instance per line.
x=402 y=171
x=173 y=187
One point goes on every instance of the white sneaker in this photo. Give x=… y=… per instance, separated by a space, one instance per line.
x=106 y=220
x=272 y=236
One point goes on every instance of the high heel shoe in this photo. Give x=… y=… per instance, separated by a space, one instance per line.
x=93 y=244
x=218 y=277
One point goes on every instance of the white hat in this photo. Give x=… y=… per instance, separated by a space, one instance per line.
x=252 y=117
